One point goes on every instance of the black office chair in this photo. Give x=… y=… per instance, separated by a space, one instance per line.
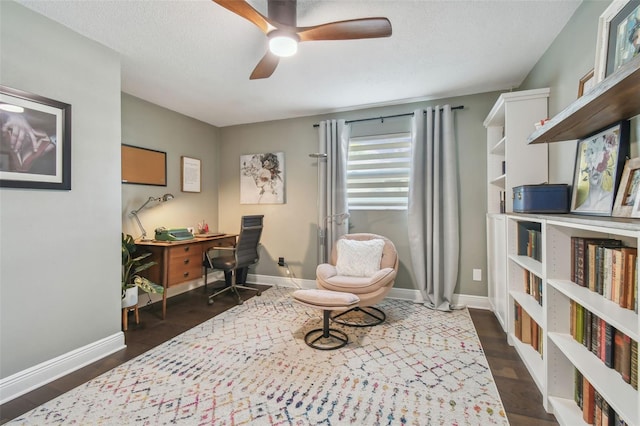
x=245 y=253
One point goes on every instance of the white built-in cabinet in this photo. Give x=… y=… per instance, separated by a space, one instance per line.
x=510 y=163
x=554 y=369
x=553 y=366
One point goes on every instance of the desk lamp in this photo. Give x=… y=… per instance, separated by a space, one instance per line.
x=134 y=213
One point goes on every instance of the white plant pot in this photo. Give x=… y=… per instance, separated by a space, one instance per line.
x=130 y=297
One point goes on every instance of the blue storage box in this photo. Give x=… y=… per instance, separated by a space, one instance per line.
x=541 y=198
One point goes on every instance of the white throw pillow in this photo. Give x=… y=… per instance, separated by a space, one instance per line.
x=359 y=258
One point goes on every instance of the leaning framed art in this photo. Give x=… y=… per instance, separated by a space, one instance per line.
x=35 y=141
x=598 y=168
x=618 y=37
x=628 y=189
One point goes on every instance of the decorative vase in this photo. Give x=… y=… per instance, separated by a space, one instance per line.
x=130 y=297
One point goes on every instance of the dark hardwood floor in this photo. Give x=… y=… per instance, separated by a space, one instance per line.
x=520 y=396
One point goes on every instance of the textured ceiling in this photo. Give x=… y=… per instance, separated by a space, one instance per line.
x=195 y=57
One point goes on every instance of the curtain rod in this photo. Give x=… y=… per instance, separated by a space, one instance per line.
x=388 y=116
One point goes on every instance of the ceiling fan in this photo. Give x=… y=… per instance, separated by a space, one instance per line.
x=284 y=36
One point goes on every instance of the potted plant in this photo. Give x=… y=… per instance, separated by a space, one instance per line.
x=132 y=265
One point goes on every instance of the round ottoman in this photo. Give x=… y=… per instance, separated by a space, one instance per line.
x=326 y=338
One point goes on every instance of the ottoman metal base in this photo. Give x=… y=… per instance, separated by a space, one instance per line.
x=325 y=338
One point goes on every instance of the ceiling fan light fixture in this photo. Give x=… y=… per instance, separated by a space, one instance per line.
x=283 y=44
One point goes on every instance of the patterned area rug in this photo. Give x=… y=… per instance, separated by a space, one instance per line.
x=250 y=365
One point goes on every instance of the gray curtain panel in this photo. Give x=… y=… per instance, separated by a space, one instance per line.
x=433 y=216
x=333 y=209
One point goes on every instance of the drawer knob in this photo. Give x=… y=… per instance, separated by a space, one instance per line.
x=186 y=261
x=186 y=274
x=186 y=248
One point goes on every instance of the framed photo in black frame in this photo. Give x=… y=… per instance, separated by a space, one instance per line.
x=35 y=141
x=618 y=37
x=599 y=164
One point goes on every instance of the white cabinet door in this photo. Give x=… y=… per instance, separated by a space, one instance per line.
x=497 y=266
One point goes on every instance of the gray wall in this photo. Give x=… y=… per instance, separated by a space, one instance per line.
x=568 y=59
x=290 y=228
x=60 y=267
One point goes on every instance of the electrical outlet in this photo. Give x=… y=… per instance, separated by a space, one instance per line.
x=477 y=274
x=281 y=261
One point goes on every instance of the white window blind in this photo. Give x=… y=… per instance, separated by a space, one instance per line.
x=378 y=172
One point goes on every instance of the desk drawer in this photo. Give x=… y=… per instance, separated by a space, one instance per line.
x=220 y=242
x=185 y=264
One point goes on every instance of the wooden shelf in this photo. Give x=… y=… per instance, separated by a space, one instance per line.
x=615 y=98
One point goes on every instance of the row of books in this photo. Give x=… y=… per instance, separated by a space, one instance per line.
x=607 y=267
x=595 y=409
x=533 y=286
x=526 y=329
x=530 y=242
x=614 y=348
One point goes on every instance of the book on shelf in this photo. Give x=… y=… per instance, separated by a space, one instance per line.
x=597 y=417
x=517 y=321
x=627 y=294
x=595 y=335
x=634 y=364
x=526 y=327
x=588 y=401
x=608 y=348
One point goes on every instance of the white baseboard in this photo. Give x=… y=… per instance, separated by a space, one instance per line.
x=478 y=302
x=32 y=378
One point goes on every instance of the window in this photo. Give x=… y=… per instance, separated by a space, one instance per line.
x=378 y=172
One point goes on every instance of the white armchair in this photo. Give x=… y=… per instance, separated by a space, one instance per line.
x=365 y=265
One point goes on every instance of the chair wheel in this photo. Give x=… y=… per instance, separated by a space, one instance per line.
x=240 y=301
x=259 y=293
x=210 y=302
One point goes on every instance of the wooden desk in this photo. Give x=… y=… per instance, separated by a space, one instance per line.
x=179 y=261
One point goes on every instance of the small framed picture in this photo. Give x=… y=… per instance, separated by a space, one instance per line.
x=35 y=141
x=598 y=169
x=586 y=83
x=191 y=171
x=628 y=189
x=618 y=37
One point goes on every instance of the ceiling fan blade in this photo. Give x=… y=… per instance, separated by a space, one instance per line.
x=265 y=67
x=244 y=9
x=347 y=30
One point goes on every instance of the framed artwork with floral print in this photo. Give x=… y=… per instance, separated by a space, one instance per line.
x=262 y=178
x=599 y=163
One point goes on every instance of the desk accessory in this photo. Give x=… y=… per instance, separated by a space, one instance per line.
x=178 y=234
x=134 y=213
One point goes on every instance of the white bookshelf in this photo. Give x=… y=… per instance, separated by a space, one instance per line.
x=554 y=372
x=508 y=124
